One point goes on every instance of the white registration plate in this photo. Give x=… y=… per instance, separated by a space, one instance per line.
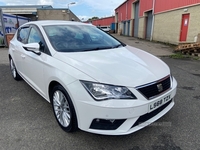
x=156 y=104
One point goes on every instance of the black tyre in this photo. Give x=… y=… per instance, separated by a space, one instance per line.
x=63 y=109
x=13 y=70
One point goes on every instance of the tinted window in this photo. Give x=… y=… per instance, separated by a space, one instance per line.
x=78 y=38
x=34 y=36
x=23 y=34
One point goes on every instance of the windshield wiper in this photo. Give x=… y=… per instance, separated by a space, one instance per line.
x=97 y=48
x=118 y=45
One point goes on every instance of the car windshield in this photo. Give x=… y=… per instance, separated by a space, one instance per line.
x=79 y=38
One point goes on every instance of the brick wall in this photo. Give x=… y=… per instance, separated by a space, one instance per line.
x=168 y=25
x=194 y=24
x=141 y=30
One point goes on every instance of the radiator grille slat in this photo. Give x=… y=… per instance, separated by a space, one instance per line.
x=152 y=90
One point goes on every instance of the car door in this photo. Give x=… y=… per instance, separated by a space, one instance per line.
x=34 y=63
x=16 y=47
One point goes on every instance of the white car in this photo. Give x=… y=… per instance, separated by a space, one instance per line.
x=105 y=28
x=93 y=81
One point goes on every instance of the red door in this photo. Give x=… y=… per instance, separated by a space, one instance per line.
x=184 y=27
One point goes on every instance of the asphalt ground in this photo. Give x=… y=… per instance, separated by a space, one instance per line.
x=27 y=120
x=155 y=48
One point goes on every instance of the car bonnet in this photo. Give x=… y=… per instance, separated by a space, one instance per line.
x=126 y=66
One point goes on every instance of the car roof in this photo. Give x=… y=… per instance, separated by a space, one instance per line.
x=55 y=22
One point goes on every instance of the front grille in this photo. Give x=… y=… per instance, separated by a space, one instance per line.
x=150 y=115
x=151 y=90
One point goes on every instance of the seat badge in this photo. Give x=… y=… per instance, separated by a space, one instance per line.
x=160 y=87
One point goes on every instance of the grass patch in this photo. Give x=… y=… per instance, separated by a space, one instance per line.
x=196 y=58
x=179 y=56
x=182 y=56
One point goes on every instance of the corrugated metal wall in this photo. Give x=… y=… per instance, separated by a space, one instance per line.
x=146 y=5
x=121 y=12
x=104 y=21
x=124 y=10
x=165 y=5
x=130 y=5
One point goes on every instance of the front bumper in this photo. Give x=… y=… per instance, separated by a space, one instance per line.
x=126 y=116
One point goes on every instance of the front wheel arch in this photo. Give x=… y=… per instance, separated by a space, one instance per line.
x=53 y=87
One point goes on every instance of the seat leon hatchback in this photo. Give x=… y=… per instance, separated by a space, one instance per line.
x=93 y=81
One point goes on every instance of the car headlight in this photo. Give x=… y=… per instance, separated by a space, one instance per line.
x=104 y=91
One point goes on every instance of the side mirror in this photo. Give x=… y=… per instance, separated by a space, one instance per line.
x=32 y=47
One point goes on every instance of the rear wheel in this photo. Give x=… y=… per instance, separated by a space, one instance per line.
x=63 y=109
x=13 y=69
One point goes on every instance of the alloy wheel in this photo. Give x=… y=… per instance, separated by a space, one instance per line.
x=61 y=108
x=13 y=68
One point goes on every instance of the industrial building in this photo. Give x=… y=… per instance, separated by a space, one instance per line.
x=171 y=21
x=11 y=17
x=40 y=12
x=107 y=21
x=29 y=11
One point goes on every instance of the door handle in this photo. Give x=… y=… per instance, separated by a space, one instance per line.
x=23 y=56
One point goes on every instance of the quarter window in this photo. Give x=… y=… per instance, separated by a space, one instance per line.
x=23 y=34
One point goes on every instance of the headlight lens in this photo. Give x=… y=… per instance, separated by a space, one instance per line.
x=103 y=91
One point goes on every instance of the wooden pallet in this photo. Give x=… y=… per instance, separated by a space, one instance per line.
x=189 y=47
x=194 y=47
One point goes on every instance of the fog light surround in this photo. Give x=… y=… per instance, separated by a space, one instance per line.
x=106 y=124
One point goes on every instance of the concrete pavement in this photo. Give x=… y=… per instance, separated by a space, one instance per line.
x=4 y=56
x=157 y=49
